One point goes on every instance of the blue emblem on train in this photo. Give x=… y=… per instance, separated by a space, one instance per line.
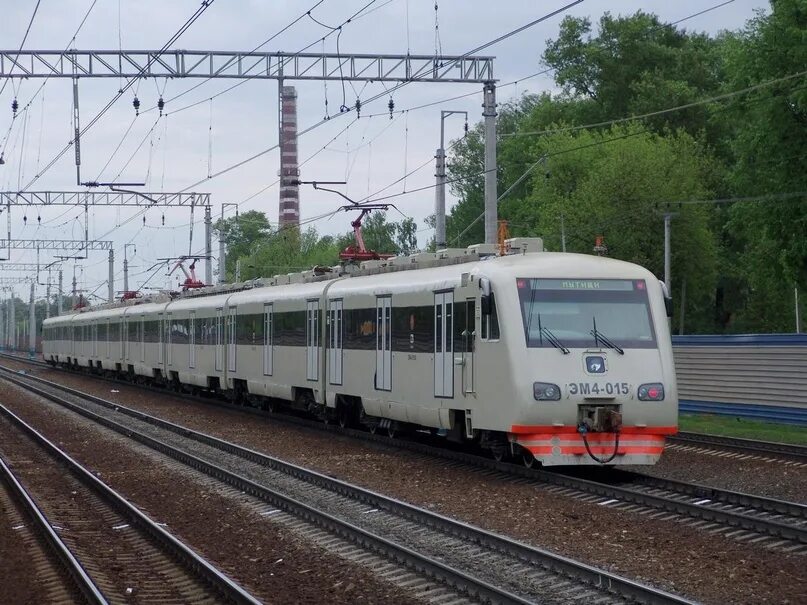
x=595 y=364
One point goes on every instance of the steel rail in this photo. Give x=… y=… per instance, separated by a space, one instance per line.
x=343 y=529
x=76 y=571
x=746 y=446
x=768 y=505
x=623 y=493
x=217 y=580
x=555 y=563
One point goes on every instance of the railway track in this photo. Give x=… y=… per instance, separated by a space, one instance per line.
x=57 y=573
x=471 y=561
x=768 y=522
x=749 y=447
x=112 y=551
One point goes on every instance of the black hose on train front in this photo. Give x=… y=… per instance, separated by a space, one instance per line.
x=583 y=430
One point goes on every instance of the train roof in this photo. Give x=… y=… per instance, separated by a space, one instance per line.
x=435 y=271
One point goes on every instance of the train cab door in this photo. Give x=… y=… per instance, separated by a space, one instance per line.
x=219 y=340
x=335 y=342
x=231 y=338
x=312 y=339
x=109 y=339
x=95 y=339
x=444 y=344
x=383 y=344
x=467 y=330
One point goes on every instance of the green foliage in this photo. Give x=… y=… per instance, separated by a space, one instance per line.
x=558 y=167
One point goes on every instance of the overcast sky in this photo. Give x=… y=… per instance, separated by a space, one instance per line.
x=176 y=151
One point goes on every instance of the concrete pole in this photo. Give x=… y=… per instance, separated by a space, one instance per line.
x=60 y=298
x=208 y=247
x=12 y=325
x=440 y=195
x=32 y=324
x=667 y=217
x=491 y=194
x=2 y=326
x=125 y=273
x=47 y=298
x=562 y=233
x=111 y=296
x=222 y=257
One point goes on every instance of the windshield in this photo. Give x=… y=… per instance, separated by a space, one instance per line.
x=569 y=310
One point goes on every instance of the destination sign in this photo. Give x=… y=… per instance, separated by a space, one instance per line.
x=603 y=285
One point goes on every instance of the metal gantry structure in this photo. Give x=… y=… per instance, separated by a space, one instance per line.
x=388 y=68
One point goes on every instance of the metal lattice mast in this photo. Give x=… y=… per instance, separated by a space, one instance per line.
x=278 y=66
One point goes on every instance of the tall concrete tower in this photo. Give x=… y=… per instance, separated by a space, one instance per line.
x=289 y=210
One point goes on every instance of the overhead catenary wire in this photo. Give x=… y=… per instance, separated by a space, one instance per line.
x=205 y=4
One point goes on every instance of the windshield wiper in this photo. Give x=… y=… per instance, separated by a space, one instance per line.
x=599 y=337
x=553 y=340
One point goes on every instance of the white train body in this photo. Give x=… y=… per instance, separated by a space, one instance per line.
x=563 y=357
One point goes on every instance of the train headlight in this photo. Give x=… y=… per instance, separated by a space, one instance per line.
x=652 y=391
x=545 y=391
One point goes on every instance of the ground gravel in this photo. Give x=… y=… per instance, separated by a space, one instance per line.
x=269 y=561
x=667 y=554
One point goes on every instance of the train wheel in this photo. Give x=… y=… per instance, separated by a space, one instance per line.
x=373 y=428
x=392 y=430
x=528 y=458
x=499 y=453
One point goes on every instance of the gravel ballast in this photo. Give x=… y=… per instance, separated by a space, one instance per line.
x=674 y=557
x=269 y=561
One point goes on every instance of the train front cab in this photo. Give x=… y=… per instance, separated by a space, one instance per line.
x=592 y=365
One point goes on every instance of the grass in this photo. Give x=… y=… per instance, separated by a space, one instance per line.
x=742 y=427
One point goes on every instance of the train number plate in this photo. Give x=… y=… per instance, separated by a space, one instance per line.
x=599 y=388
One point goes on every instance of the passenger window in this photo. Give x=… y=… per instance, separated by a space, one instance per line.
x=490 y=321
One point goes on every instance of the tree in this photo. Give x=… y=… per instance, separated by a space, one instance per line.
x=242 y=234
x=632 y=63
x=768 y=146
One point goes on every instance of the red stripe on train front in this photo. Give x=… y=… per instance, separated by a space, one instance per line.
x=558 y=430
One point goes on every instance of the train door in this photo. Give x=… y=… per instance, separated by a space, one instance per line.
x=160 y=339
x=335 y=342
x=192 y=340
x=268 y=353
x=444 y=344
x=124 y=338
x=232 y=333
x=312 y=339
x=109 y=339
x=468 y=344
x=219 y=340
x=95 y=339
x=142 y=338
x=383 y=344
x=169 y=328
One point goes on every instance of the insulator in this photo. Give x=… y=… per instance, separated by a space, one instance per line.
x=25 y=219
x=161 y=105
x=136 y=105
x=163 y=220
x=391 y=106
x=466 y=127
x=144 y=220
x=358 y=108
x=39 y=219
x=14 y=106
